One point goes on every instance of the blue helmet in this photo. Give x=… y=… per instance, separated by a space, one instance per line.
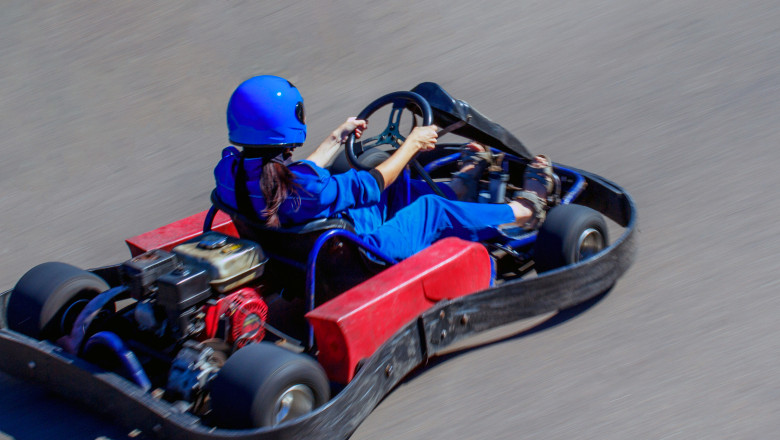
x=266 y=111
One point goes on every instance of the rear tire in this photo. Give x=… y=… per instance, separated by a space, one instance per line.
x=264 y=385
x=47 y=299
x=570 y=234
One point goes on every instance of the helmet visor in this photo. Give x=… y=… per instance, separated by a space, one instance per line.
x=300 y=112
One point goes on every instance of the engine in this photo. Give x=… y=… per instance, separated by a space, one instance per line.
x=196 y=305
x=172 y=287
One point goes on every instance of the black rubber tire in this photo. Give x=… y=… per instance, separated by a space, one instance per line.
x=245 y=392
x=559 y=244
x=44 y=293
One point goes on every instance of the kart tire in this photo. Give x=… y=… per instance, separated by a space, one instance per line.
x=45 y=294
x=570 y=234
x=263 y=385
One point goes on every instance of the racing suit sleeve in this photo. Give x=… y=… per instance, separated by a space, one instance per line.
x=322 y=194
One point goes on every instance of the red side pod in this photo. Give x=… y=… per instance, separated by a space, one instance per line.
x=353 y=325
x=172 y=235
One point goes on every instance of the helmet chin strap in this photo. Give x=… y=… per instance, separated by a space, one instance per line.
x=285 y=158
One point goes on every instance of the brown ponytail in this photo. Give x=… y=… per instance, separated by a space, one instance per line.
x=277 y=184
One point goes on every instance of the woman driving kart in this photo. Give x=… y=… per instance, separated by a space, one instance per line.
x=265 y=116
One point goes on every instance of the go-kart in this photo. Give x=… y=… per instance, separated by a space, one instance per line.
x=219 y=327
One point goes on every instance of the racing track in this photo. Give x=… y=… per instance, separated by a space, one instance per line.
x=113 y=117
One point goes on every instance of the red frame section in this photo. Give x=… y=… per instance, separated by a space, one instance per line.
x=176 y=233
x=350 y=327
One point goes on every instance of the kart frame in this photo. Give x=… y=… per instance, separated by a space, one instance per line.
x=433 y=331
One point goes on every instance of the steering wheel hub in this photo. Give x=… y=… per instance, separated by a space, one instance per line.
x=391 y=134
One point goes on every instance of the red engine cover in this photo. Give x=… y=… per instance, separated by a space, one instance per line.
x=239 y=318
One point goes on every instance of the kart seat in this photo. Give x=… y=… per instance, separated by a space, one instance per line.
x=340 y=265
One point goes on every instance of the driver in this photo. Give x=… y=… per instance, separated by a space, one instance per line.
x=266 y=118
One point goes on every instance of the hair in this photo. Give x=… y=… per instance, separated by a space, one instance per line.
x=277 y=184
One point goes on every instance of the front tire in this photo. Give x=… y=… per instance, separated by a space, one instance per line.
x=47 y=299
x=264 y=385
x=570 y=234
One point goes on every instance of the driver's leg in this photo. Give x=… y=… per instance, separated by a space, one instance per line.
x=431 y=218
x=405 y=191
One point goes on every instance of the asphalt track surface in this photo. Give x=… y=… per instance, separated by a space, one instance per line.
x=113 y=117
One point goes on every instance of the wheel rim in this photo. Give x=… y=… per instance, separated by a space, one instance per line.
x=293 y=402
x=591 y=242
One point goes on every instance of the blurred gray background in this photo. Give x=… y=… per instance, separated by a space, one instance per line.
x=113 y=118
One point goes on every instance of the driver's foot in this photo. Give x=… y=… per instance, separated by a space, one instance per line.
x=465 y=182
x=530 y=205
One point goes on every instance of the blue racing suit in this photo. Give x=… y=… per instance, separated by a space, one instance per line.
x=382 y=218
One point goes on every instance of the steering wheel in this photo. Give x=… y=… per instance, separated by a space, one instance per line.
x=391 y=134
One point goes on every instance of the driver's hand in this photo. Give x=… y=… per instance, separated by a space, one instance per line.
x=422 y=138
x=350 y=125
